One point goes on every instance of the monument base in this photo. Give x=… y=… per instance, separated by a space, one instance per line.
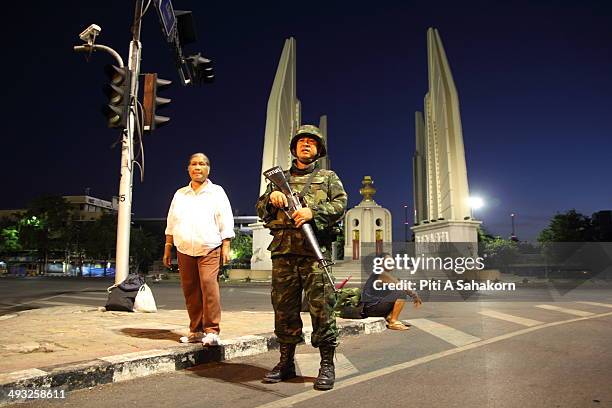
x=447 y=231
x=261 y=259
x=250 y=274
x=442 y=239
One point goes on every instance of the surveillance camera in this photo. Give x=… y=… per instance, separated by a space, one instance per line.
x=90 y=33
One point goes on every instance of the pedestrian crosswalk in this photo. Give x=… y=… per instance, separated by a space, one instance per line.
x=597 y=304
x=450 y=335
x=574 y=312
x=459 y=338
x=523 y=321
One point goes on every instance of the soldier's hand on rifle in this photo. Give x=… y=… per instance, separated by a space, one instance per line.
x=302 y=216
x=278 y=199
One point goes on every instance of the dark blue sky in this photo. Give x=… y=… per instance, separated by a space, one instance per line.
x=534 y=82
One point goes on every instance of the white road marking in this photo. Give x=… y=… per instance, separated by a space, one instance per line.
x=510 y=318
x=566 y=310
x=48 y=297
x=84 y=297
x=306 y=395
x=448 y=334
x=51 y=303
x=256 y=312
x=254 y=292
x=597 y=304
x=35 y=300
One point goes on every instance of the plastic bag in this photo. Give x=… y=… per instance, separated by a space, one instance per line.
x=144 y=302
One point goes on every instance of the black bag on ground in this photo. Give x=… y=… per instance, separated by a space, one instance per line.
x=121 y=300
x=121 y=297
x=132 y=282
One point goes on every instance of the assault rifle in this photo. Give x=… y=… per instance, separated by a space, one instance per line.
x=277 y=177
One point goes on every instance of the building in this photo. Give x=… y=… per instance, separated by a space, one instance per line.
x=11 y=214
x=157 y=226
x=87 y=208
x=83 y=208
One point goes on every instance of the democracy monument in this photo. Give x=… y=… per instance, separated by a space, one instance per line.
x=440 y=184
x=283 y=117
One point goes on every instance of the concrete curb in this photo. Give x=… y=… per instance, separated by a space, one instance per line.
x=105 y=370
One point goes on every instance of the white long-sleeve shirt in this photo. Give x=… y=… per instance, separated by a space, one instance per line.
x=200 y=221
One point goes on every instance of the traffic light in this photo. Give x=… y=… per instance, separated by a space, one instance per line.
x=151 y=102
x=201 y=69
x=118 y=92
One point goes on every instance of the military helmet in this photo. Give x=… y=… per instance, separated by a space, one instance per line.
x=309 y=131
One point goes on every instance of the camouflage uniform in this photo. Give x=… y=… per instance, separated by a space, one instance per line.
x=294 y=265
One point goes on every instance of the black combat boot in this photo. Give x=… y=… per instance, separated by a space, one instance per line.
x=285 y=369
x=327 y=375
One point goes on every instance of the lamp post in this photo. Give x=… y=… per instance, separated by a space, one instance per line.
x=513 y=236
x=406 y=223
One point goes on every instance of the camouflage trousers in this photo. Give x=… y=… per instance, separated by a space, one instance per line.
x=290 y=275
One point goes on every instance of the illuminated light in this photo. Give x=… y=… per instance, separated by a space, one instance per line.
x=476 y=202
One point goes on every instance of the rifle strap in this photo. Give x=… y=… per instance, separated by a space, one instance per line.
x=306 y=188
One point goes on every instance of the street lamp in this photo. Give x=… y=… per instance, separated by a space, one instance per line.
x=476 y=203
x=513 y=236
x=406 y=223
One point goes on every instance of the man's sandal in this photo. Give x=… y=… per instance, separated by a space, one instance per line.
x=397 y=325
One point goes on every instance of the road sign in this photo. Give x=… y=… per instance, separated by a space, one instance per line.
x=167 y=17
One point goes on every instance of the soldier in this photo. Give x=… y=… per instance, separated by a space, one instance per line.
x=294 y=265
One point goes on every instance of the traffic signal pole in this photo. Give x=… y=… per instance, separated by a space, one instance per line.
x=124 y=219
x=126 y=114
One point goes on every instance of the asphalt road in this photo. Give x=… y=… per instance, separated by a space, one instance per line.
x=39 y=292
x=456 y=354
x=18 y=294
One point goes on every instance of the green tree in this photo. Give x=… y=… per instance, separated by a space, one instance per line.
x=500 y=252
x=9 y=239
x=43 y=227
x=242 y=247
x=484 y=235
x=340 y=241
x=567 y=227
x=98 y=238
x=143 y=249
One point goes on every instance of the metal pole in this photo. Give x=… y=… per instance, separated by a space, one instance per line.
x=96 y=47
x=124 y=219
x=406 y=224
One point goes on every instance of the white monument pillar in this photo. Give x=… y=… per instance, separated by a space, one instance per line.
x=324 y=162
x=441 y=193
x=282 y=120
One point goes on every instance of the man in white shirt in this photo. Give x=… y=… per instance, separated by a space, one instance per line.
x=200 y=225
